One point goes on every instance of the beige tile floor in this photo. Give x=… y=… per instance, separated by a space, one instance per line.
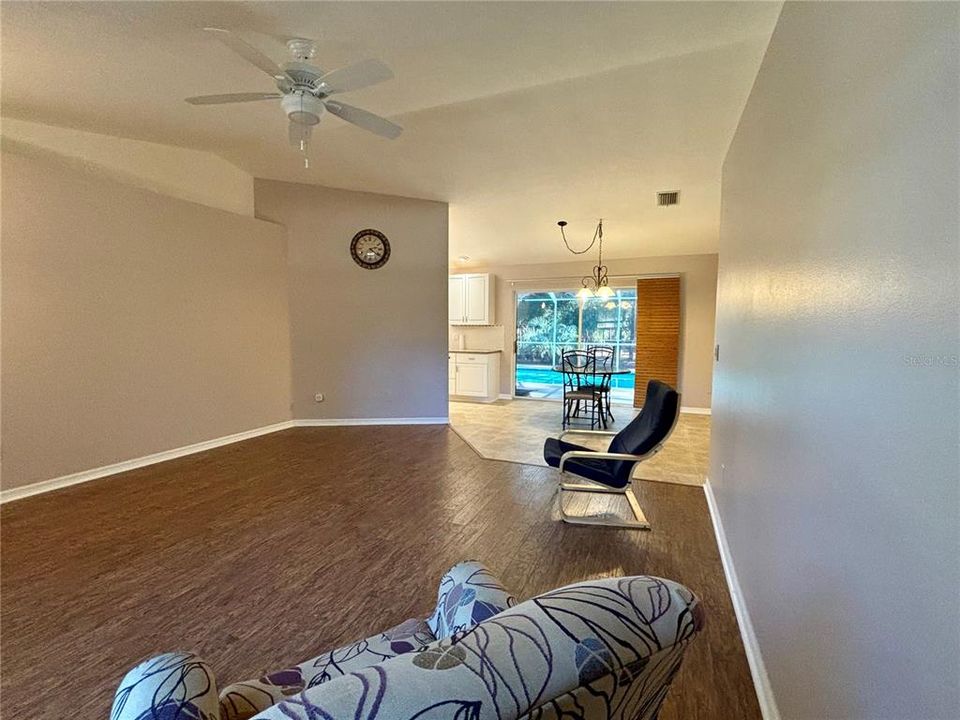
x=514 y=430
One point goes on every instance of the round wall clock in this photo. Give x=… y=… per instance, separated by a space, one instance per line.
x=370 y=249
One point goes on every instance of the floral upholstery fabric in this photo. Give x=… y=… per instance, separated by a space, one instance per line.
x=243 y=700
x=595 y=650
x=600 y=649
x=172 y=686
x=468 y=593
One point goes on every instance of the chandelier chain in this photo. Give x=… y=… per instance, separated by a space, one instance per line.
x=597 y=235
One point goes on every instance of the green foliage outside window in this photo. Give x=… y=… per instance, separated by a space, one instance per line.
x=550 y=322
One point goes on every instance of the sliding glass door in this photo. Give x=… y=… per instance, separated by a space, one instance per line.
x=550 y=322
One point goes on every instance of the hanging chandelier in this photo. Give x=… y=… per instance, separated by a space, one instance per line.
x=597 y=284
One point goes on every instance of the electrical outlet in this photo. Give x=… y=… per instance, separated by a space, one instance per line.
x=318 y=397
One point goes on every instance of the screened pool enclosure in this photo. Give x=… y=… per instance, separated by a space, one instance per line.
x=553 y=321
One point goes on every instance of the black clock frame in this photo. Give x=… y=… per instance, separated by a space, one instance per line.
x=386 y=249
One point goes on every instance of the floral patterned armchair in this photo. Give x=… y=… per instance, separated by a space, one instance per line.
x=598 y=649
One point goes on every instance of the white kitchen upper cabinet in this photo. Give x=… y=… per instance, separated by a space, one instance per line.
x=477 y=299
x=472 y=299
x=456 y=310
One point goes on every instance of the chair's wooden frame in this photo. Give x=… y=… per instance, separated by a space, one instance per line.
x=640 y=519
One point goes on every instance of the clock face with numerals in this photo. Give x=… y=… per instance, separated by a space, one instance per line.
x=370 y=249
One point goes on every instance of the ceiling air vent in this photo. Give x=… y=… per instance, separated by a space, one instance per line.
x=668 y=198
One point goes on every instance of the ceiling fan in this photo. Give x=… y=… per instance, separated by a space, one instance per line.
x=305 y=90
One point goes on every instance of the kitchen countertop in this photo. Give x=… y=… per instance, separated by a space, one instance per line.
x=475 y=352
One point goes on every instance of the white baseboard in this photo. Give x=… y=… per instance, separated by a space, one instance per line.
x=340 y=422
x=96 y=473
x=761 y=682
x=694 y=410
x=505 y=396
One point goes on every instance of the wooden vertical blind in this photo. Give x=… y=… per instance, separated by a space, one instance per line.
x=658 y=333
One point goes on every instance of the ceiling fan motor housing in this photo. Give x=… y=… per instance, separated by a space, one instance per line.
x=303 y=108
x=304 y=75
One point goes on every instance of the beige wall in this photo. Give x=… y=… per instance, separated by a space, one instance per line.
x=372 y=341
x=835 y=417
x=699 y=287
x=132 y=322
x=193 y=175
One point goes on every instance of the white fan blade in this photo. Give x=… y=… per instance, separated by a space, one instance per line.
x=300 y=135
x=362 y=118
x=248 y=53
x=353 y=77
x=231 y=98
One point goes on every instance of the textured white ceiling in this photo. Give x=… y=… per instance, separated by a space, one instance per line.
x=516 y=114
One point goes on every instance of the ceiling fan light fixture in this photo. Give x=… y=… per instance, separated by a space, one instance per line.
x=304 y=118
x=303 y=108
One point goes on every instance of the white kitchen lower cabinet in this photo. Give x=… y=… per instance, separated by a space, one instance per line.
x=474 y=375
x=472 y=379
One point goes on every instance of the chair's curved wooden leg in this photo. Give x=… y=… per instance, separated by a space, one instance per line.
x=604 y=519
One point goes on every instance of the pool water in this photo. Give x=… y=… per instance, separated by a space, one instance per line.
x=547 y=376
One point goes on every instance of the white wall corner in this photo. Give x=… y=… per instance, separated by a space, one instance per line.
x=758 y=671
x=198 y=176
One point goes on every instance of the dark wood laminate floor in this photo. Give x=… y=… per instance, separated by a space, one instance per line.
x=266 y=552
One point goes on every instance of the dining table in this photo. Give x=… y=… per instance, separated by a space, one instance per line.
x=605 y=373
